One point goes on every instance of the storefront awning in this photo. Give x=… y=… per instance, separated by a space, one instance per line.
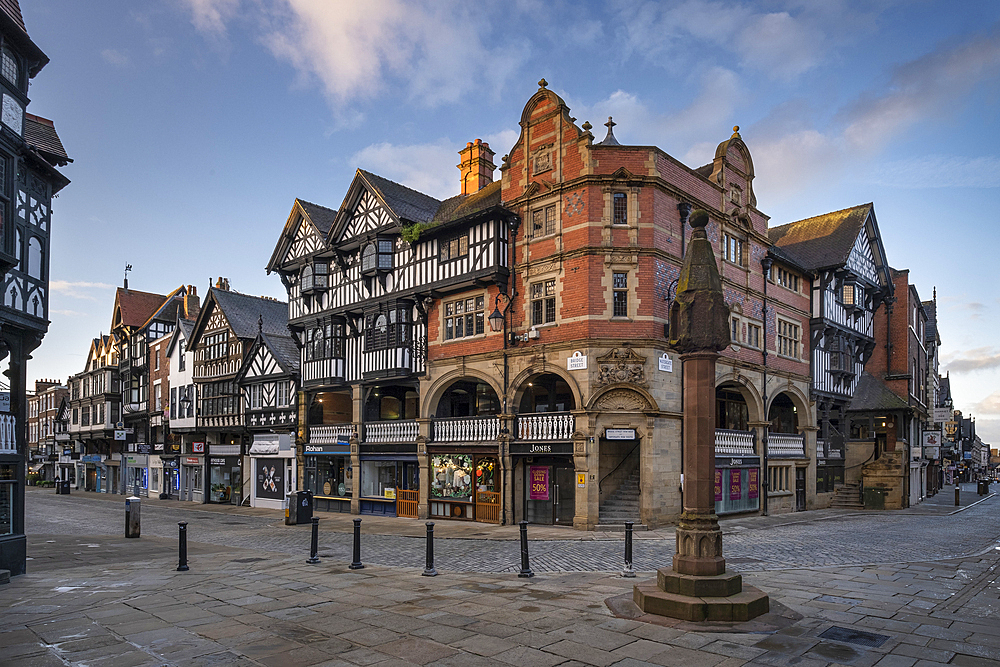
x=36 y=467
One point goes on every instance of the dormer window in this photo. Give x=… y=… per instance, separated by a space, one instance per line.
x=377 y=256
x=455 y=248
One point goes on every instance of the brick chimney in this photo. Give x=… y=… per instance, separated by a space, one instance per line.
x=192 y=304
x=222 y=284
x=477 y=166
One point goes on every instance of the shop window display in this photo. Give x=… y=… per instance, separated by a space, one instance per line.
x=380 y=479
x=328 y=476
x=452 y=477
x=7 y=482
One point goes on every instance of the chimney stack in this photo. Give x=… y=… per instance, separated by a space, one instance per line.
x=477 y=166
x=191 y=302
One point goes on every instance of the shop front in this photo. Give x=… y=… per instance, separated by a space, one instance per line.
x=329 y=476
x=92 y=479
x=737 y=484
x=224 y=479
x=189 y=478
x=548 y=481
x=273 y=464
x=465 y=484
x=390 y=480
x=137 y=474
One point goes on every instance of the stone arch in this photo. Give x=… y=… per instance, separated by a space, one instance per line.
x=748 y=390
x=519 y=382
x=430 y=399
x=799 y=400
x=623 y=398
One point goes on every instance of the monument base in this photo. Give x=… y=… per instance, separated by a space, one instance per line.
x=747 y=604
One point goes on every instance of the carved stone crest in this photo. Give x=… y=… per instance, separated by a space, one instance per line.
x=621 y=365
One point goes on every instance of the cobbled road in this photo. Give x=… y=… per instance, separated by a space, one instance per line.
x=852 y=539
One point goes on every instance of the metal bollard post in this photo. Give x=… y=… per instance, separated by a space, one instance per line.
x=314 y=547
x=357 y=564
x=525 y=570
x=958 y=492
x=627 y=570
x=182 y=546
x=429 y=571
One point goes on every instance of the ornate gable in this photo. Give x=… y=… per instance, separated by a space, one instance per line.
x=369 y=216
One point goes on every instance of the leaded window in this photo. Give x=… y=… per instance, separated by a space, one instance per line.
x=733 y=248
x=543 y=221
x=620 y=200
x=9 y=68
x=455 y=248
x=788 y=339
x=543 y=302
x=464 y=317
x=619 y=286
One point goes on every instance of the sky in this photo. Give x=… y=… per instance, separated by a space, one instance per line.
x=194 y=124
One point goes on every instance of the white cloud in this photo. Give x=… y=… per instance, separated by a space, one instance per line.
x=436 y=51
x=976 y=359
x=78 y=290
x=115 y=57
x=68 y=313
x=932 y=85
x=780 y=45
x=210 y=16
x=988 y=406
x=940 y=171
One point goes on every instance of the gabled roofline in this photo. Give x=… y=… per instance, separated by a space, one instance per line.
x=288 y=234
x=261 y=339
x=344 y=213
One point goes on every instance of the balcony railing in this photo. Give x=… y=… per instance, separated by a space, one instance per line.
x=8 y=439
x=467 y=429
x=786 y=445
x=832 y=454
x=396 y=430
x=330 y=434
x=545 y=426
x=734 y=443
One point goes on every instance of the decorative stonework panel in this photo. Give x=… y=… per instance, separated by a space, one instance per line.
x=622 y=400
x=621 y=366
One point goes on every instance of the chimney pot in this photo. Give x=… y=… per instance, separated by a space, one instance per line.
x=476 y=167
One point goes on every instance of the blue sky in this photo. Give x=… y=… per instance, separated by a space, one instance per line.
x=195 y=123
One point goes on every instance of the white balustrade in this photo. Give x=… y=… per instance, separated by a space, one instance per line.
x=545 y=426
x=8 y=438
x=733 y=443
x=467 y=429
x=786 y=445
x=396 y=430
x=330 y=433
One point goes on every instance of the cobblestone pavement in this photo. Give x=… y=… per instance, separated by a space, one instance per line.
x=750 y=544
x=92 y=598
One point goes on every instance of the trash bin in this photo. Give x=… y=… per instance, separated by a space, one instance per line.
x=65 y=484
x=298 y=508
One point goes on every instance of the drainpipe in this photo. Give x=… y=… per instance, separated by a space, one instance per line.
x=766 y=266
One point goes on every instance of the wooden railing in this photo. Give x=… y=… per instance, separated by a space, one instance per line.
x=8 y=437
x=466 y=429
x=786 y=445
x=394 y=430
x=407 y=502
x=734 y=443
x=488 y=506
x=545 y=426
x=328 y=434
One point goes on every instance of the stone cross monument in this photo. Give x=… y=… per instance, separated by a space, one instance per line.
x=697 y=587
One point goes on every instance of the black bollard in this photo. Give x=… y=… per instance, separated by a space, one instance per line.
x=525 y=570
x=429 y=571
x=627 y=570
x=182 y=546
x=957 y=495
x=314 y=547
x=357 y=564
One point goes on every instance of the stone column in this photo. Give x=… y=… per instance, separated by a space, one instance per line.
x=699 y=538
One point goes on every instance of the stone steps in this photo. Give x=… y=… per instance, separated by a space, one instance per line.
x=621 y=506
x=847 y=496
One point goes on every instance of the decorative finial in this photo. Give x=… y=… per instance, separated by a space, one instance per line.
x=610 y=139
x=260 y=323
x=587 y=126
x=610 y=124
x=736 y=130
x=542 y=83
x=698 y=219
x=128 y=268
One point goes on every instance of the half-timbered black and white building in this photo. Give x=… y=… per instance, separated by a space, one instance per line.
x=221 y=339
x=363 y=282
x=30 y=152
x=844 y=251
x=269 y=394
